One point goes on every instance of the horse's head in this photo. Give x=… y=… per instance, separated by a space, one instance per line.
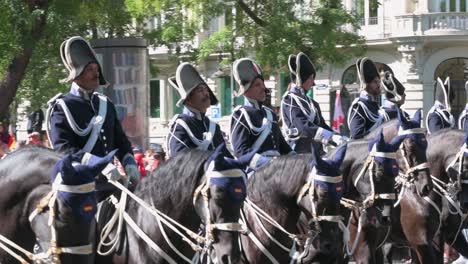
x=223 y=195
x=414 y=153
x=458 y=174
x=325 y=189
x=377 y=189
x=74 y=170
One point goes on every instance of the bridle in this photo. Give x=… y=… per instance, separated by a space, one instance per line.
x=410 y=174
x=204 y=190
x=370 y=198
x=368 y=166
x=458 y=159
x=309 y=190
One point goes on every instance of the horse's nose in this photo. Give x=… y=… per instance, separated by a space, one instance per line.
x=426 y=189
x=386 y=220
x=326 y=247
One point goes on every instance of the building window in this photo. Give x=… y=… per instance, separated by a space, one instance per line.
x=457 y=70
x=155 y=103
x=350 y=91
x=226 y=93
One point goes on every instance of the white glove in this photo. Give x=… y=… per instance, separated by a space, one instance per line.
x=111 y=172
x=338 y=139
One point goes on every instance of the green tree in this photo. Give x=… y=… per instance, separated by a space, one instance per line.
x=267 y=30
x=31 y=32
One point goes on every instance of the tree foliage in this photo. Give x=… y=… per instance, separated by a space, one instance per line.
x=267 y=30
x=31 y=32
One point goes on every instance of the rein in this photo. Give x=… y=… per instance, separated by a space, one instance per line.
x=406 y=179
x=370 y=199
x=299 y=239
x=162 y=219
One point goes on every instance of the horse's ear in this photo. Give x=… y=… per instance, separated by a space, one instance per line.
x=380 y=138
x=316 y=159
x=402 y=121
x=97 y=164
x=65 y=166
x=339 y=155
x=242 y=162
x=417 y=116
x=218 y=157
x=314 y=156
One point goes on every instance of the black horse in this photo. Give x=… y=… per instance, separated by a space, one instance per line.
x=25 y=180
x=370 y=178
x=278 y=190
x=172 y=189
x=415 y=220
x=448 y=161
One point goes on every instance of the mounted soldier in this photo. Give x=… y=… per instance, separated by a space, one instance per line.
x=303 y=124
x=192 y=129
x=395 y=97
x=440 y=116
x=463 y=120
x=253 y=125
x=364 y=115
x=83 y=120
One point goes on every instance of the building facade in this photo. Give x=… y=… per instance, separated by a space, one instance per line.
x=419 y=40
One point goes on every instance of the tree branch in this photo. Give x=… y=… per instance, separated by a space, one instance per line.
x=17 y=67
x=251 y=13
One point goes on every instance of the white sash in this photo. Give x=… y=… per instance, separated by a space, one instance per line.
x=94 y=125
x=204 y=143
x=376 y=119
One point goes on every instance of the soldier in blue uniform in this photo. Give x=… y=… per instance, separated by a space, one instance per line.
x=364 y=115
x=83 y=120
x=395 y=97
x=439 y=116
x=303 y=124
x=253 y=125
x=463 y=120
x=83 y=123
x=192 y=129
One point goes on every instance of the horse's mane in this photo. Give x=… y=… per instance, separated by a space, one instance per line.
x=279 y=180
x=172 y=184
x=28 y=162
x=445 y=143
x=21 y=172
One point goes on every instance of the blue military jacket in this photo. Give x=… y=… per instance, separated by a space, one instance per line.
x=247 y=125
x=191 y=129
x=363 y=116
x=439 y=118
x=302 y=118
x=463 y=120
x=83 y=107
x=391 y=111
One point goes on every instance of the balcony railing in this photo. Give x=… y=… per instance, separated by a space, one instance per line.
x=447 y=21
x=415 y=25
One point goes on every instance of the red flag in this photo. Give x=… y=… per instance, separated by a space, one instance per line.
x=338 y=116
